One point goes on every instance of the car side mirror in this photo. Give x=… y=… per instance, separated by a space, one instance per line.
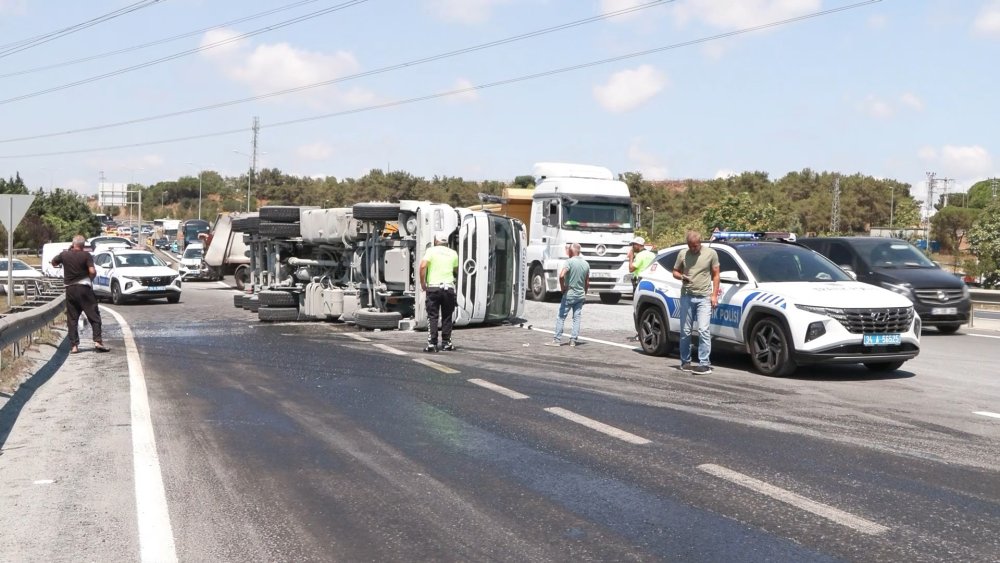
x=730 y=276
x=850 y=271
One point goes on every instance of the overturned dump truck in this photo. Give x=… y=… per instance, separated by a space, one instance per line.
x=360 y=264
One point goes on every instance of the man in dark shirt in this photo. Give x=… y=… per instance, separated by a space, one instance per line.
x=78 y=274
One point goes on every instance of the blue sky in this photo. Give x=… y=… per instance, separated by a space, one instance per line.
x=892 y=89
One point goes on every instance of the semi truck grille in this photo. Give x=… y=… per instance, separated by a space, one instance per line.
x=892 y=320
x=937 y=296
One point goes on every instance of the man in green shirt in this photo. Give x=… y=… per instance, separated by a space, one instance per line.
x=698 y=269
x=639 y=259
x=438 y=270
x=574 y=280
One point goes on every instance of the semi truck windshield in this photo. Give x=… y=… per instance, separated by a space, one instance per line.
x=597 y=216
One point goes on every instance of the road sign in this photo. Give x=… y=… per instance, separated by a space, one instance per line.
x=12 y=210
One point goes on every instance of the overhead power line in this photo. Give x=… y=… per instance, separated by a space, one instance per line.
x=543 y=74
x=181 y=54
x=407 y=64
x=25 y=44
x=158 y=41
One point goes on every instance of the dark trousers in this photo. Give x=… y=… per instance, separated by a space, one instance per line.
x=441 y=305
x=80 y=298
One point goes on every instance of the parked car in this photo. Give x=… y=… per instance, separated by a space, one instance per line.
x=940 y=298
x=21 y=271
x=127 y=274
x=192 y=265
x=785 y=306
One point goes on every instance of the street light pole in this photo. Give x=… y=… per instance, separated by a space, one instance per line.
x=249 y=175
x=892 y=205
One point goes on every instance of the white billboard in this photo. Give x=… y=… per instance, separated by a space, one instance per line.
x=112 y=194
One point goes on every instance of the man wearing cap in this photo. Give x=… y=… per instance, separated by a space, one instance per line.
x=639 y=259
x=438 y=270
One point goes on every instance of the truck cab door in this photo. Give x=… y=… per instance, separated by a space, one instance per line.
x=551 y=223
x=473 y=269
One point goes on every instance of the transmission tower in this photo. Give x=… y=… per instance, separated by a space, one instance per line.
x=945 y=191
x=994 y=183
x=253 y=157
x=835 y=212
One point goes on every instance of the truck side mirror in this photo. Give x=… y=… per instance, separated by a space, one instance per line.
x=545 y=221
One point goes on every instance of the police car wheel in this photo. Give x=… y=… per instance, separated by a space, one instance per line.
x=770 y=348
x=654 y=334
x=116 y=294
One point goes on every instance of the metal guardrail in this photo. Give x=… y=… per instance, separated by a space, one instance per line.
x=972 y=313
x=30 y=317
x=987 y=296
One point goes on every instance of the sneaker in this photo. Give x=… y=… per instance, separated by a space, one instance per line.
x=702 y=370
x=430 y=347
x=686 y=367
x=553 y=343
x=572 y=343
x=448 y=346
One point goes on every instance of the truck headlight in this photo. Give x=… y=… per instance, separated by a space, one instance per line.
x=903 y=289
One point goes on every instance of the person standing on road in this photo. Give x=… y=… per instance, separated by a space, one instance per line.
x=574 y=280
x=698 y=269
x=438 y=271
x=78 y=274
x=639 y=259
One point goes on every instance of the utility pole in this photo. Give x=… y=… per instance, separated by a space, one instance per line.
x=994 y=183
x=892 y=206
x=835 y=212
x=253 y=157
x=946 y=190
x=929 y=206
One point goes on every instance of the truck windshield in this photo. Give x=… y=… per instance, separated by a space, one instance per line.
x=597 y=216
x=503 y=269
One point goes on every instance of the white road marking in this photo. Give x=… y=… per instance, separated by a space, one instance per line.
x=435 y=365
x=156 y=537
x=499 y=389
x=830 y=513
x=599 y=426
x=357 y=337
x=985 y=413
x=43 y=482
x=390 y=349
x=225 y=285
x=983 y=335
x=618 y=344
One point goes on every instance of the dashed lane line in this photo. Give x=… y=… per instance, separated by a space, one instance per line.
x=499 y=389
x=598 y=426
x=986 y=413
x=788 y=497
x=435 y=365
x=225 y=285
x=606 y=342
x=156 y=536
x=982 y=335
x=357 y=337
x=390 y=349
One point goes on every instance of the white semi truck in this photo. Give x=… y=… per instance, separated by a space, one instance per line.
x=576 y=203
x=361 y=263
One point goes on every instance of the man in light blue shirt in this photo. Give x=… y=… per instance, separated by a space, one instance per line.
x=574 y=280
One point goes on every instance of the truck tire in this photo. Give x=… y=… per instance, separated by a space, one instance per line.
x=377 y=319
x=277 y=314
x=238 y=300
x=609 y=298
x=251 y=225
x=278 y=299
x=254 y=305
x=536 y=284
x=249 y=301
x=378 y=211
x=238 y=225
x=280 y=213
x=241 y=277
x=280 y=230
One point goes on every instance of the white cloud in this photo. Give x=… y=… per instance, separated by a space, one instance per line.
x=878 y=21
x=647 y=163
x=877 y=108
x=463 y=11
x=724 y=173
x=881 y=108
x=912 y=101
x=733 y=14
x=468 y=95
x=629 y=89
x=927 y=153
x=16 y=7
x=987 y=22
x=280 y=66
x=315 y=151
x=609 y=6
x=961 y=162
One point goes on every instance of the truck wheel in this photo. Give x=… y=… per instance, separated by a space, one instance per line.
x=771 y=348
x=378 y=211
x=116 y=294
x=238 y=300
x=883 y=366
x=241 y=277
x=654 y=333
x=276 y=299
x=249 y=225
x=377 y=319
x=254 y=305
x=269 y=314
x=536 y=287
x=280 y=230
x=609 y=298
x=280 y=213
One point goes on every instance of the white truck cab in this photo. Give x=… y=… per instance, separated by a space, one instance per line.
x=577 y=203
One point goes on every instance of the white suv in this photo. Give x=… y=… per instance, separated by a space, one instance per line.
x=786 y=306
x=125 y=274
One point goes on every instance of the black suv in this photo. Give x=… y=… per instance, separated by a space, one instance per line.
x=941 y=299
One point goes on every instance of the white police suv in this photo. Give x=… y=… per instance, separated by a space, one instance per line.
x=126 y=274
x=785 y=305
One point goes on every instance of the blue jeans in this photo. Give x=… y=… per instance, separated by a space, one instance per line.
x=565 y=306
x=702 y=307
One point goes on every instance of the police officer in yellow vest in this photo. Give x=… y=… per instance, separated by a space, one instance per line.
x=438 y=270
x=639 y=259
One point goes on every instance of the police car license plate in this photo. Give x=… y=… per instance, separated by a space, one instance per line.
x=156 y=288
x=881 y=339
x=944 y=311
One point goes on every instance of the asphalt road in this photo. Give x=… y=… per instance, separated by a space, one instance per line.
x=317 y=442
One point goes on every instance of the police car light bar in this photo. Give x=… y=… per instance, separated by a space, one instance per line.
x=753 y=235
